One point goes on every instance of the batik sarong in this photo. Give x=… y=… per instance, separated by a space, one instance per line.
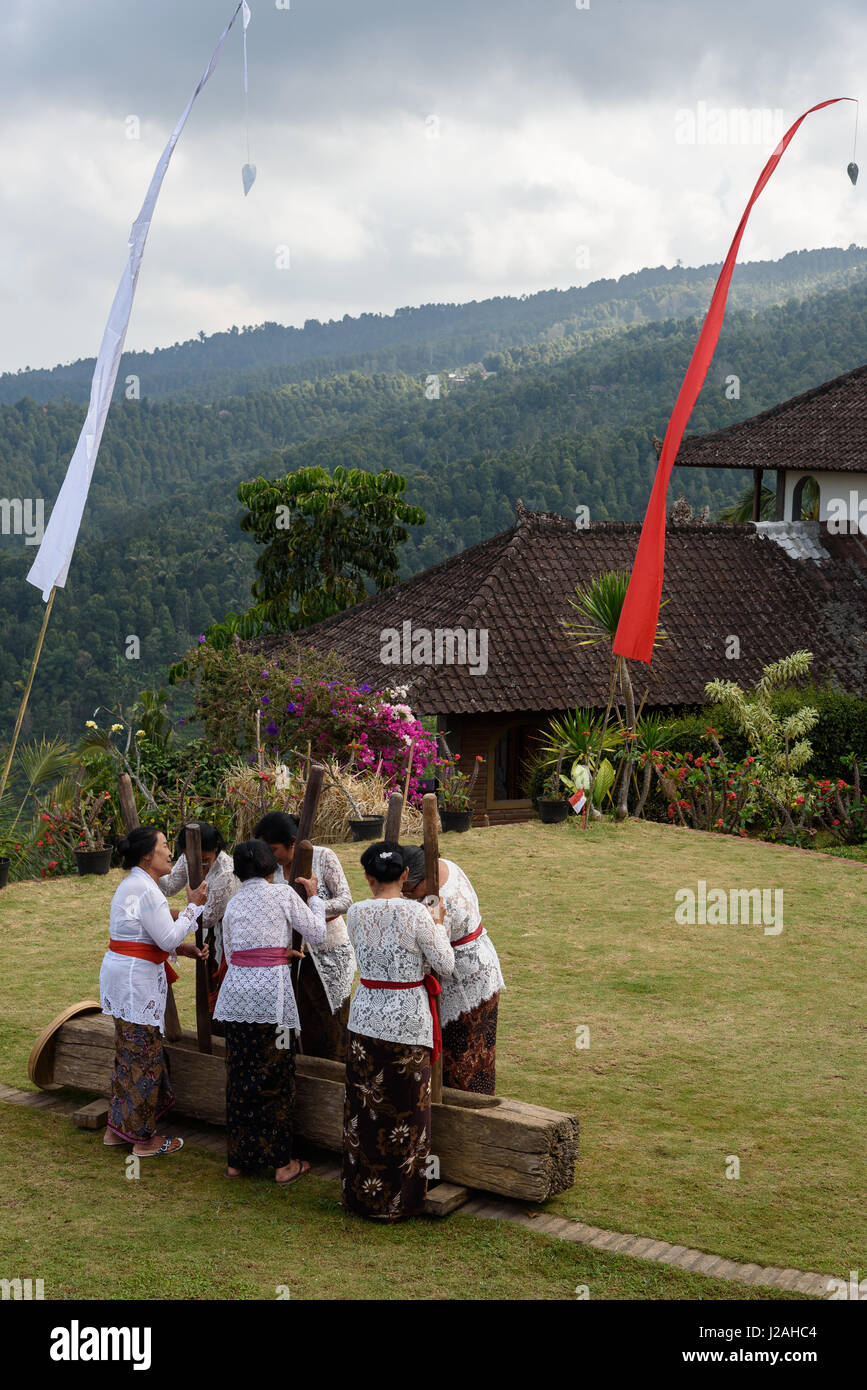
x=260 y=1095
x=386 y=1128
x=323 y=1034
x=141 y=1090
x=470 y=1049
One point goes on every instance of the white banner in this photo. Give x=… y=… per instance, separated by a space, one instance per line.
x=51 y=565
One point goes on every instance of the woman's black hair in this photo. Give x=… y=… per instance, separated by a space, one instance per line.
x=137 y=845
x=253 y=859
x=277 y=828
x=413 y=858
x=383 y=861
x=210 y=837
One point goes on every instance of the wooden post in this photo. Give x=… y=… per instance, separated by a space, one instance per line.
x=195 y=874
x=302 y=868
x=393 y=817
x=409 y=771
x=432 y=885
x=757 y=494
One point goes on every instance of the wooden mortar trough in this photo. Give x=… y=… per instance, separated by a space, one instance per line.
x=486 y=1142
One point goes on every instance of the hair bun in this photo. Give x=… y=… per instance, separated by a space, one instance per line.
x=122 y=845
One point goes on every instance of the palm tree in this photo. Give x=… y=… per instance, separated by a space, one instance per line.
x=598 y=605
x=742 y=510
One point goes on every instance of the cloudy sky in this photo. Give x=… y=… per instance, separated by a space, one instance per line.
x=407 y=152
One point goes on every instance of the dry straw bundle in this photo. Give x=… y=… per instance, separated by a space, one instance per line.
x=249 y=792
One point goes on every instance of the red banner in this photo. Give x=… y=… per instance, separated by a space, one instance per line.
x=638 y=620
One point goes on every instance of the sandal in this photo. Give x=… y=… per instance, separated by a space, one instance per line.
x=303 y=1167
x=115 y=1143
x=168 y=1146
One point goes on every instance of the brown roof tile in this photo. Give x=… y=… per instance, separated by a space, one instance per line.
x=721 y=581
x=825 y=428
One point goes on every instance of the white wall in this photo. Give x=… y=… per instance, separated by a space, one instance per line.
x=832 y=485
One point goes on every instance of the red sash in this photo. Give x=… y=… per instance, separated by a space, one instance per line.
x=141 y=950
x=433 y=987
x=473 y=936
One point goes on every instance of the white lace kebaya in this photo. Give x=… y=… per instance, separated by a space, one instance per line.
x=477 y=974
x=221 y=884
x=335 y=961
x=396 y=939
x=129 y=988
x=264 y=914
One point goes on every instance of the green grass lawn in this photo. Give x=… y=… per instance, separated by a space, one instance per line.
x=705 y=1041
x=72 y=1218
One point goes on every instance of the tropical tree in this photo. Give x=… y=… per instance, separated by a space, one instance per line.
x=779 y=741
x=325 y=536
x=742 y=510
x=598 y=605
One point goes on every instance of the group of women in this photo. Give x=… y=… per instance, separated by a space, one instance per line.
x=408 y=944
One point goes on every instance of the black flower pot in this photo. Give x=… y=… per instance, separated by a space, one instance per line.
x=4 y=872
x=368 y=828
x=552 y=812
x=456 y=820
x=93 y=861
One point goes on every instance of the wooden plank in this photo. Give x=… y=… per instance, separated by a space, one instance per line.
x=92 y=1116
x=446 y=1197
x=490 y=1143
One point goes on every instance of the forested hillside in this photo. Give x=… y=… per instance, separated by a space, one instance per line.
x=559 y=424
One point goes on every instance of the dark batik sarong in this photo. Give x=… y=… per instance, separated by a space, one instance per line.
x=323 y=1034
x=141 y=1090
x=386 y=1128
x=260 y=1095
x=470 y=1049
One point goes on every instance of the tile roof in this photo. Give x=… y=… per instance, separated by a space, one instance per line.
x=721 y=580
x=825 y=428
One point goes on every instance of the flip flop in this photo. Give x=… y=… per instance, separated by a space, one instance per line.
x=287 y=1182
x=168 y=1146
x=115 y=1143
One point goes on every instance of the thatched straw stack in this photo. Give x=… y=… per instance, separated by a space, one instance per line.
x=248 y=796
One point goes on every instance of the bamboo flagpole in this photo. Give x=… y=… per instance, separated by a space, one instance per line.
x=50 y=567
x=23 y=706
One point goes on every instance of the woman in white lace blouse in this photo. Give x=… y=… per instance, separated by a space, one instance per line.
x=392 y=1040
x=325 y=973
x=133 y=985
x=221 y=884
x=471 y=996
x=256 y=1006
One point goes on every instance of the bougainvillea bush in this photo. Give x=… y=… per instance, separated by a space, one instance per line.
x=297 y=702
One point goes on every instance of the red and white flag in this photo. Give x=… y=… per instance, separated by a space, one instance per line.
x=578 y=801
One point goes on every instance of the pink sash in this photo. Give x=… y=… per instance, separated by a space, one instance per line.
x=260 y=955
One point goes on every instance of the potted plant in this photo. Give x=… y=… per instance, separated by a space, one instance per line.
x=80 y=827
x=553 y=807
x=456 y=793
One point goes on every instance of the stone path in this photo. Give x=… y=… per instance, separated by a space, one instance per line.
x=213 y=1138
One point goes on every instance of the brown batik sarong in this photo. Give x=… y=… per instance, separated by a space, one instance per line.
x=323 y=1034
x=260 y=1095
x=470 y=1049
x=386 y=1128
x=141 y=1090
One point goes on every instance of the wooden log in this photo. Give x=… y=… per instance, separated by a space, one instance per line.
x=489 y=1143
x=195 y=875
x=393 y=818
x=500 y=1146
x=430 y=820
x=302 y=864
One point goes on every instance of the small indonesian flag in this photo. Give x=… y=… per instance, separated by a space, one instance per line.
x=578 y=801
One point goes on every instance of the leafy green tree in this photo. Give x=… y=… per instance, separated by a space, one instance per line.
x=325 y=535
x=779 y=741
